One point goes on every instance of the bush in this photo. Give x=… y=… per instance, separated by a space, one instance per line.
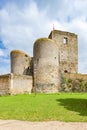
x=74 y=85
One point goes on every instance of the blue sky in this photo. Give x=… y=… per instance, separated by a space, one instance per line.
x=23 y=21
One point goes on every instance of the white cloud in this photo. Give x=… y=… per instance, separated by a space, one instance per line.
x=20 y=27
x=1 y=53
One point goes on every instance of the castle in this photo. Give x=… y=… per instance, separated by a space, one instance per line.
x=53 y=58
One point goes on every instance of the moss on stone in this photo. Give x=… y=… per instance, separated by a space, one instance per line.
x=20 y=52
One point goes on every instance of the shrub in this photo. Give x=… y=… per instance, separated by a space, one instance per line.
x=74 y=85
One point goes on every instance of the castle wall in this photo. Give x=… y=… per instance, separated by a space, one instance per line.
x=20 y=84
x=15 y=84
x=76 y=76
x=68 y=50
x=46 y=66
x=4 y=84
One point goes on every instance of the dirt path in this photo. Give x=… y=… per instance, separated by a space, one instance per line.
x=51 y=125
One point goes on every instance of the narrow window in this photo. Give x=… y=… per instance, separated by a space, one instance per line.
x=65 y=71
x=28 y=68
x=65 y=40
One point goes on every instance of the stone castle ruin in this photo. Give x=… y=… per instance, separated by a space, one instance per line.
x=54 y=60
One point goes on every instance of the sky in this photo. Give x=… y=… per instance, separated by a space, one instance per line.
x=23 y=21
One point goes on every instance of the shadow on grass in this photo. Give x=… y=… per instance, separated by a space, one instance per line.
x=77 y=105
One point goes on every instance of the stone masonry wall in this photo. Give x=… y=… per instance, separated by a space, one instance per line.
x=68 y=50
x=4 y=84
x=15 y=84
x=20 y=62
x=46 y=66
x=20 y=84
x=76 y=76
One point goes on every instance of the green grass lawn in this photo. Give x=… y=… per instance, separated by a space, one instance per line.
x=69 y=107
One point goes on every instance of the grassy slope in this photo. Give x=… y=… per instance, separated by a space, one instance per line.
x=62 y=107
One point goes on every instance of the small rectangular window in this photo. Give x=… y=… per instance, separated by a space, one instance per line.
x=65 y=40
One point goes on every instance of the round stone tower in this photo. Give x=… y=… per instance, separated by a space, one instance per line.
x=20 y=62
x=46 y=66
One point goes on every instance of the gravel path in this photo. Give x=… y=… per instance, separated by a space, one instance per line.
x=51 y=125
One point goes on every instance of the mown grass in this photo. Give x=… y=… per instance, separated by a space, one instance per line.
x=68 y=107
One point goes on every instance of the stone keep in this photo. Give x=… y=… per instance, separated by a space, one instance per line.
x=46 y=66
x=68 y=50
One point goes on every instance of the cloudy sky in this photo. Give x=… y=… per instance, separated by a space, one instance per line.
x=23 y=21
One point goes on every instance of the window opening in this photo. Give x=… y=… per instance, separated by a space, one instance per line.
x=65 y=40
x=65 y=71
